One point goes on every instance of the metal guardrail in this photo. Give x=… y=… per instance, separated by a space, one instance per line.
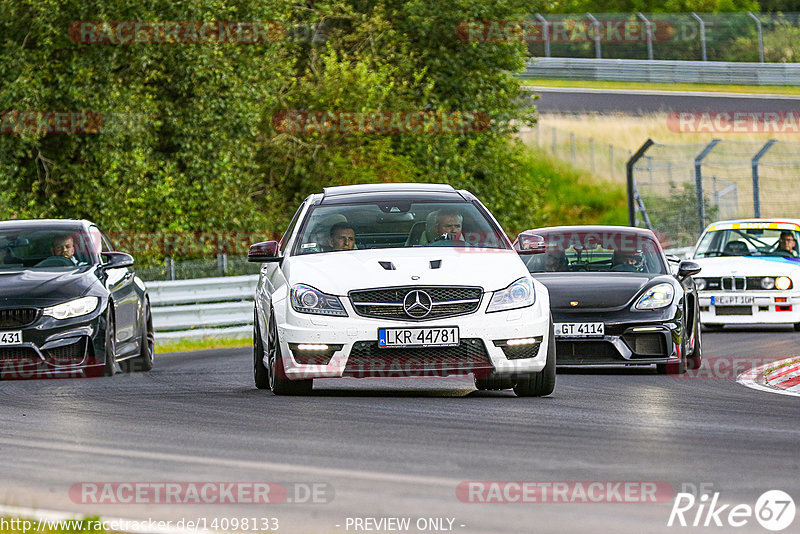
x=204 y=307
x=638 y=70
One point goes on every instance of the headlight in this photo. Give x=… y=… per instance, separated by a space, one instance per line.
x=700 y=283
x=783 y=282
x=767 y=282
x=306 y=299
x=520 y=294
x=657 y=296
x=73 y=308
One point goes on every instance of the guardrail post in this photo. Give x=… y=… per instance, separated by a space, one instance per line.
x=169 y=266
x=631 y=187
x=702 y=36
x=596 y=25
x=546 y=28
x=649 y=28
x=760 y=36
x=222 y=263
x=756 y=182
x=698 y=178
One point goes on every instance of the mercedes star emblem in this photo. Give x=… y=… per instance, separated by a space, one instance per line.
x=417 y=304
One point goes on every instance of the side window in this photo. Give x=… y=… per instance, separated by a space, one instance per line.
x=290 y=229
x=107 y=245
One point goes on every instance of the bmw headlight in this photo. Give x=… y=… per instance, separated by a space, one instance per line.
x=658 y=296
x=700 y=283
x=306 y=299
x=783 y=282
x=73 y=308
x=520 y=294
x=768 y=282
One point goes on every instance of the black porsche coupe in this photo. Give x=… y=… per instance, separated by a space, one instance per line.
x=70 y=306
x=615 y=297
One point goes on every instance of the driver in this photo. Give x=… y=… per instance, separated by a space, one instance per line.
x=342 y=237
x=449 y=223
x=627 y=261
x=64 y=245
x=787 y=246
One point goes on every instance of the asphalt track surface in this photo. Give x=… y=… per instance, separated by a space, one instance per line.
x=575 y=100
x=399 y=448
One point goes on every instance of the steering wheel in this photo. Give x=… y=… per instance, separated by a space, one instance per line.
x=55 y=261
x=447 y=239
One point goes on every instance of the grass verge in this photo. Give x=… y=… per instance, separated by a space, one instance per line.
x=202 y=344
x=769 y=370
x=705 y=87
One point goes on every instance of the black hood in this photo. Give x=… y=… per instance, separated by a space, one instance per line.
x=595 y=290
x=45 y=287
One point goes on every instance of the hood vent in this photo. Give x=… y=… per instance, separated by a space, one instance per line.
x=389 y=266
x=435 y=264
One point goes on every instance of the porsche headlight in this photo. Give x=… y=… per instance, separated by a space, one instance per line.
x=783 y=282
x=73 y=308
x=306 y=299
x=520 y=294
x=768 y=282
x=658 y=296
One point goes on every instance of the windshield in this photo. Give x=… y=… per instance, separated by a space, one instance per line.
x=581 y=251
x=44 y=248
x=403 y=224
x=741 y=241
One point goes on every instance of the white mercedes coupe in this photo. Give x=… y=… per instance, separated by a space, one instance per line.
x=399 y=280
x=750 y=273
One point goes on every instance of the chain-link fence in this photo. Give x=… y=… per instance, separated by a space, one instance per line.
x=179 y=269
x=679 y=189
x=745 y=36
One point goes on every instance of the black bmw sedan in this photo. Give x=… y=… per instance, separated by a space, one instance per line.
x=614 y=297
x=70 y=306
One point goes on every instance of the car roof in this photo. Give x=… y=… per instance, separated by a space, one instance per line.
x=391 y=192
x=596 y=228
x=777 y=220
x=66 y=224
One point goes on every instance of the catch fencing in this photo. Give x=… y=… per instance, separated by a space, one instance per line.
x=678 y=189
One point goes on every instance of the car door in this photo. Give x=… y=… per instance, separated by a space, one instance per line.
x=120 y=284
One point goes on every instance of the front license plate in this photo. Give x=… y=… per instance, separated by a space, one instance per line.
x=418 y=337
x=732 y=300
x=579 y=329
x=11 y=338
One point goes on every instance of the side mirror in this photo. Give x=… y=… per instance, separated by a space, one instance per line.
x=264 y=252
x=530 y=243
x=116 y=260
x=687 y=269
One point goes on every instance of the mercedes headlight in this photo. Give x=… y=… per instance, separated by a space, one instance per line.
x=658 y=296
x=306 y=299
x=520 y=294
x=783 y=282
x=73 y=308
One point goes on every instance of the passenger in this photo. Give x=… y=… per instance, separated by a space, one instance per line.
x=342 y=237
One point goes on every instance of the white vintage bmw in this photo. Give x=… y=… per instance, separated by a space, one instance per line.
x=397 y=280
x=750 y=272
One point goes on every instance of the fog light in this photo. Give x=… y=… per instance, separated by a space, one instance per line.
x=521 y=341
x=309 y=346
x=780 y=299
x=783 y=282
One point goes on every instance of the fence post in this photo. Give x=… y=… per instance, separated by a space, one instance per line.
x=572 y=146
x=611 y=160
x=760 y=36
x=649 y=28
x=702 y=35
x=756 y=182
x=169 y=266
x=546 y=28
x=698 y=178
x=555 y=141
x=596 y=25
x=631 y=188
x=591 y=152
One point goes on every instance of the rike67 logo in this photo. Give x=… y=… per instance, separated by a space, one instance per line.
x=774 y=510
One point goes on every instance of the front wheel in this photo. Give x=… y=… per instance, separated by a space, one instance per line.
x=544 y=382
x=278 y=381
x=797 y=327
x=260 y=373
x=110 y=366
x=143 y=362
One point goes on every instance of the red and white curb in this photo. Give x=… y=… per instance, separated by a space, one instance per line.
x=782 y=377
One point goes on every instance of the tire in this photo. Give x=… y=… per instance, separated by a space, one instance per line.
x=797 y=327
x=713 y=327
x=143 y=362
x=696 y=359
x=544 y=382
x=260 y=373
x=278 y=382
x=493 y=382
x=110 y=367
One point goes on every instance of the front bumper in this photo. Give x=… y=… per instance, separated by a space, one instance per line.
x=628 y=340
x=355 y=353
x=53 y=348
x=768 y=307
